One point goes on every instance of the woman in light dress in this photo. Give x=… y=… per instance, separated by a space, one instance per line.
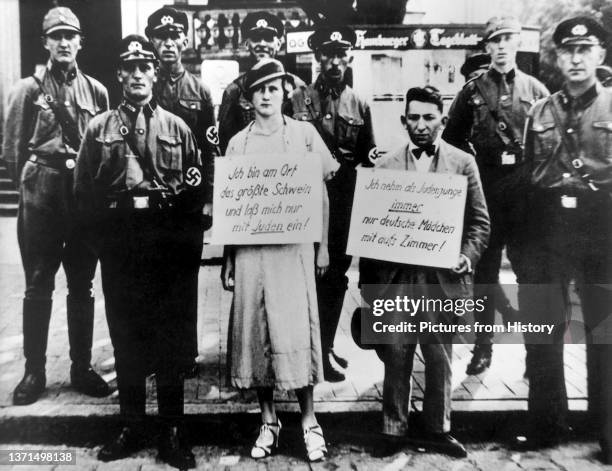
x=274 y=340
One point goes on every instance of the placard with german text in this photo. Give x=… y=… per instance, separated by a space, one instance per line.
x=267 y=199
x=407 y=217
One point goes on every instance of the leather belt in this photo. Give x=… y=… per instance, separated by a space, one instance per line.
x=56 y=161
x=139 y=202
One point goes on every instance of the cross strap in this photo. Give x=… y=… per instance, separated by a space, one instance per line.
x=577 y=164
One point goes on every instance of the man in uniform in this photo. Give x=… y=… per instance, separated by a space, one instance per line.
x=45 y=120
x=568 y=145
x=138 y=183
x=184 y=95
x=262 y=32
x=489 y=114
x=344 y=122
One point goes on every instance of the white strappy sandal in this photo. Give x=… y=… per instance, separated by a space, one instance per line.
x=315 y=443
x=267 y=441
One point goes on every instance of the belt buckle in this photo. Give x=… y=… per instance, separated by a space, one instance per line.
x=70 y=164
x=577 y=163
x=569 y=202
x=140 y=202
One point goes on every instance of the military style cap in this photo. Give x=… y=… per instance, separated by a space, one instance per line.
x=501 y=25
x=264 y=71
x=60 y=19
x=261 y=21
x=475 y=62
x=579 y=30
x=166 y=19
x=136 y=48
x=327 y=37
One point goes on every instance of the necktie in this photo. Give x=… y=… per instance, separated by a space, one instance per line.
x=429 y=150
x=134 y=175
x=504 y=90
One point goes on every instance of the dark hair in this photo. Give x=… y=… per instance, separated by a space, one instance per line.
x=426 y=94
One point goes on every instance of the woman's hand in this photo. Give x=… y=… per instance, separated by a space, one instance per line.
x=227 y=272
x=322 y=263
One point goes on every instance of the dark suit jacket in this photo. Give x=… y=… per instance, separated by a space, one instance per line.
x=476 y=226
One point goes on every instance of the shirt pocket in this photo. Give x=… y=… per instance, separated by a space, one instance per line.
x=348 y=128
x=85 y=111
x=169 y=152
x=545 y=140
x=603 y=137
x=45 y=120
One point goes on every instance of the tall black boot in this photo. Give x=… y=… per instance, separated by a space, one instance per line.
x=36 y=317
x=80 y=314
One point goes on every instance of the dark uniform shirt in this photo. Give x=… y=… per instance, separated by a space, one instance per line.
x=586 y=121
x=236 y=111
x=470 y=120
x=33 y=127
x=101 y=169
x=342 y=118
x=186 y=97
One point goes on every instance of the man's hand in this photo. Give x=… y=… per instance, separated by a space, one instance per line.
x=322 y=263
x=463 y=265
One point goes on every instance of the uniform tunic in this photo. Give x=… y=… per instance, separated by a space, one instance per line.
x=143 y=252
x=570 y=237
x=189 y=99
x=46 y=226
x=274 y=338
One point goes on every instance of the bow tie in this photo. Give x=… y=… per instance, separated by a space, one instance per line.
x=418 y=151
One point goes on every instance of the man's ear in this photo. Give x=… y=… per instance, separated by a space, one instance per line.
x=403 y=120
x=119 y=77
x=318 y=55
x=43 y=39
x=602 y=55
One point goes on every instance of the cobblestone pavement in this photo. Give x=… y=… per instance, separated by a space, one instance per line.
x=482 y=457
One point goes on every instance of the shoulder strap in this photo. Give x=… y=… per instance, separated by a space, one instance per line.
x=128 y=136
x=65 y=121
x=502 y=128
x=577 y=164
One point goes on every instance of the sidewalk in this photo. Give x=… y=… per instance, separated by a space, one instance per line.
x=501 y=388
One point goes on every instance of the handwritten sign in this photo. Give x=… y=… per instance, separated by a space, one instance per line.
x=267 y=199
x=408 y=217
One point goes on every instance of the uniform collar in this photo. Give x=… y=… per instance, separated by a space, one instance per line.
x=58 y=74
x=496 y=75
x=168 y=77
x=579 y=102
x=324 y=89
x=132 y=110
